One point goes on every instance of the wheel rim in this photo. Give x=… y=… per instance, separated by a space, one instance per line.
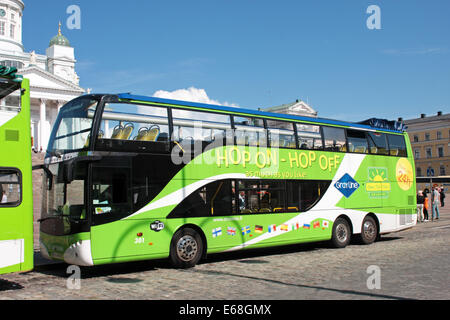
x=187 y=248
x=341 y=233
x=369 y=230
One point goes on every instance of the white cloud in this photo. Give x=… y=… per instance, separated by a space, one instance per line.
x=191 y=94
x=423 y=51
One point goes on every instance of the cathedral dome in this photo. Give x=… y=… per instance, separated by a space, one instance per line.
x=59 y=39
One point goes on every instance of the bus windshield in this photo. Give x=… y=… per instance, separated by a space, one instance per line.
x=62 y=197
x=73 y=126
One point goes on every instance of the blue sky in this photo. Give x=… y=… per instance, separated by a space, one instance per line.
x=262 y=53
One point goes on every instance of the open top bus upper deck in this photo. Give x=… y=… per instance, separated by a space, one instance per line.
x=377 y=124
x=395 y=127
x=132 y=123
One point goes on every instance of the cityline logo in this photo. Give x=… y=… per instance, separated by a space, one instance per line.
x=346 y=185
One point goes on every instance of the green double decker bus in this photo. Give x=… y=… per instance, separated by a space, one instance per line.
x=16 y=201
x=132 y=178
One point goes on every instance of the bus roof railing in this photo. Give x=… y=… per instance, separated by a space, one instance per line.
x=255 y=113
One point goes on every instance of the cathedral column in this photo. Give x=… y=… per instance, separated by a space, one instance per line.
x=42 y=126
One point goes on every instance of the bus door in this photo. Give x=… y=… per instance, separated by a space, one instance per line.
x=111 y=199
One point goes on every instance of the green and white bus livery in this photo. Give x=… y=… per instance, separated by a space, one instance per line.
x=134 y=178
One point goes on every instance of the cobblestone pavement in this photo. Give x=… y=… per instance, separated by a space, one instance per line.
x=413 y=264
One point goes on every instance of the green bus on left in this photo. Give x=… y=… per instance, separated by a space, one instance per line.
x=16 y=201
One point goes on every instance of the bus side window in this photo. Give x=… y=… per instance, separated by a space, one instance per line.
x=10 y=187
x=334 y=139
x=357 y=141
x=272 y=195
x=281 y=134
x=207 y=127
x=248 y=191
x=305 y=194
x=229 y=197
x=220 y=195
x=131 y=122
x=397 y=145
x=261 y=196
x=250 y=132
x=377 y=143
x=214 y=199
x=309 y=137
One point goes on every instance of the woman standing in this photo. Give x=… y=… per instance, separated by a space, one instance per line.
x=425 y=208
x=420 y=209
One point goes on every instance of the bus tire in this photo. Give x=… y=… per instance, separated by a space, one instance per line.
x=369 y=231
x=341 y=235
x=186 y=248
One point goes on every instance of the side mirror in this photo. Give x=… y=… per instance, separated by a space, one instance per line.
x=47 y=172
x=72 y=165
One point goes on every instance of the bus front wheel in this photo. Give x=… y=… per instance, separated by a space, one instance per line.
x=186 y=248
x=341 y=233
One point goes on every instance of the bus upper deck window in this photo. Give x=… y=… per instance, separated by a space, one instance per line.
x=309 y=137
x=357 y=141
x=250 y=132
x=377 y=143
x=281 y=134
x=334 y=139
x=397 y=145
x=132 y=122
x=191 y=125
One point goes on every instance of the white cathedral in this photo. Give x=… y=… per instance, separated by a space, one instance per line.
x=53 y=80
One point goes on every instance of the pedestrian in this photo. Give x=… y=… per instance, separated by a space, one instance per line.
x=241 y=200
x=435 y=202
x=442 y=196
x=420 y=202
x=426 y=207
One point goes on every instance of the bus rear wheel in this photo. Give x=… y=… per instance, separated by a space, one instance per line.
x=369 y=230
x=341 y=233
x=186 y=248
